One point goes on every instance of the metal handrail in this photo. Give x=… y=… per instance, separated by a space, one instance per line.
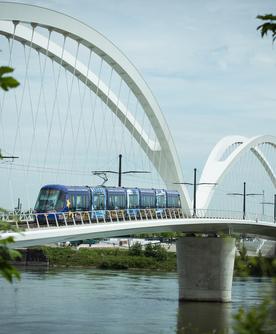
x=64 y=219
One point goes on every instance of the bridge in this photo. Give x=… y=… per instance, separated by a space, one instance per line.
x=74 y=228
x=90 y=101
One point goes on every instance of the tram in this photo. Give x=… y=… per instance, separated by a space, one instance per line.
x=56 y=200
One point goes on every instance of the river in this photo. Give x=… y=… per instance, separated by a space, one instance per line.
x=96 y=301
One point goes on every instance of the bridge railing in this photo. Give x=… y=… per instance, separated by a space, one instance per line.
x=32 y=220
x=230 y=214
x=10 y=216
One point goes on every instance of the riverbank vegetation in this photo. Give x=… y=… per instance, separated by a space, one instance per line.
x=254 y=265
x=153 y=257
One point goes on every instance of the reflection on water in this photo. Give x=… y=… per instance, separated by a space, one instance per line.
x=95 y=301
x=196 y=317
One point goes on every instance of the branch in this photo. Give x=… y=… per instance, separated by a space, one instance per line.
x=269 y=26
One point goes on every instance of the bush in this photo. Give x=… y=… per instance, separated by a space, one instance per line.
x=156 y=251
x=135 y=250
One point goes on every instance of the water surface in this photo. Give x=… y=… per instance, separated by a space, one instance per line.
x=97 y=301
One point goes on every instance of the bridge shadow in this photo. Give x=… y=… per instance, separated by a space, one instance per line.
x=196 y=317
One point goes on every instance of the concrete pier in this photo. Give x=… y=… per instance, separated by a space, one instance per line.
x=205 y=268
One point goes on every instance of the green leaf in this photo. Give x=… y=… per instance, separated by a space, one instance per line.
x=5 y=70
x=270 y=17
x=7 y=255
x=7 y=82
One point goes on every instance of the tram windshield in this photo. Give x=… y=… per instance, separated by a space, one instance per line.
x=50 y=199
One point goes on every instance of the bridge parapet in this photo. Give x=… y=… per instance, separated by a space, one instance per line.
x=33 y=220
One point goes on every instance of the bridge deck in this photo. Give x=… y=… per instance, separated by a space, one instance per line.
x=72 y=229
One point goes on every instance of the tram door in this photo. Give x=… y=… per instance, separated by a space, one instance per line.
x=98 y=203
x=132 y=203
x=160 y=201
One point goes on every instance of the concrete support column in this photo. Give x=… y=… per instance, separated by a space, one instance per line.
x=205 y=268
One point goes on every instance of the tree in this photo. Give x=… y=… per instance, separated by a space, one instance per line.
x=7 y=270
x=268 y=26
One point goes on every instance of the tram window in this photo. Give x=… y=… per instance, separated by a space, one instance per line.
x=148 y=201
x=98 y=201
x=72 y=202
x=79 y=202
x=116 y=201
x=133 y=201
x=85 y=202
x=61 y=201
x=174 y=202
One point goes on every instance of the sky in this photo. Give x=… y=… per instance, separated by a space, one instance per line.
x=205 y=62
x=211 y=72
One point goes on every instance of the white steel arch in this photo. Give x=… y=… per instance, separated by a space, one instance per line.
x=216 y=168
x=92 y=39
x=90 y=79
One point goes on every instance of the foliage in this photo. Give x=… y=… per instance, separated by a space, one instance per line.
x=254 y=266
x=7 y=82
x=243 y=253
x=160 y=236
x=156 y=251
x=112 y=258
x=252 y=321
x=7 y=255
x=94 y=257
x=269 y=26
x=135 y=249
